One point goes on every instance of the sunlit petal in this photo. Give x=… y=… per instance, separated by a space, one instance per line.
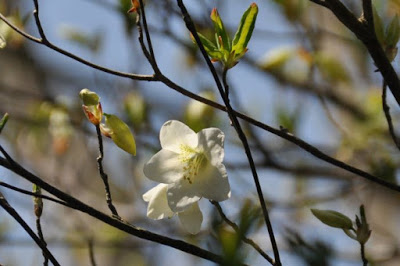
x=173 y=134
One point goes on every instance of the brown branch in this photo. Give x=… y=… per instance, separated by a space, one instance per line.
x=10 y=210
x=224 y=92
x=104 y=176
x=41 y=237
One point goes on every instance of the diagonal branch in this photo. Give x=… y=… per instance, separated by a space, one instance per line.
x=365 y=32
x=74 y=203
x=224 y=90
x=8 y=208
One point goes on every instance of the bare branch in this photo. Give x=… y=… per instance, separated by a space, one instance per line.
x=74 y=203
x=103 y=175
x=8 y=208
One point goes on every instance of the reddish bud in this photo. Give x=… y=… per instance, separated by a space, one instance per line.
x=135 y=6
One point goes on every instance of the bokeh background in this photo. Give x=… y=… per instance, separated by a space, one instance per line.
x=304 y=72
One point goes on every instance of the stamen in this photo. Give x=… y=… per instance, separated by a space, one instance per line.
x=192 y=160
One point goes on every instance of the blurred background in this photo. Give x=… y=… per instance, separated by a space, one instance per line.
x=304 y=72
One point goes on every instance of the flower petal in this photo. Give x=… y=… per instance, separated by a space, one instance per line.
x=213 y=183
x=181 y=195
x=211 y=141
x=191 y=218
x=158 y=205
x=164 y=167
x=174 y=133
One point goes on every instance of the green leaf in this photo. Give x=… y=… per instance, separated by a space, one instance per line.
x=3 y=121
x=222 y=37
x=333 y=218
x=378 y=25
x=393 y=32
x=89 y=97
x=120 y=133
x=2 y=42
x=245 y=29
x=210 y=48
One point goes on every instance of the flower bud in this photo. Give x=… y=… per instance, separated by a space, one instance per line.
x=91 y=106
x=37 y=201
x=333 y=218
x=89 y=97
x=363 y=232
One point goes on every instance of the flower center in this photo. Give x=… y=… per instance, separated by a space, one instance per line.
x=192 y=161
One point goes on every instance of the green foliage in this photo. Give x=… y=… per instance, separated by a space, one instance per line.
x=387 y=36
x=3 y=121
x=120 y=133
x=224 y=50
x=333 y=218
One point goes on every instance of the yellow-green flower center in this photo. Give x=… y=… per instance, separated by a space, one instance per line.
x=192 y=160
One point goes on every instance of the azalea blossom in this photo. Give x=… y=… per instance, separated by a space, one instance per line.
x=191 y=164
x=158 y=208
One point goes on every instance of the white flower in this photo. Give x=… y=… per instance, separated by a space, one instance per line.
x=191 y=165
x=158 y=208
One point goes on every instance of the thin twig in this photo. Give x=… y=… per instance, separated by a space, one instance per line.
x=224 y=90
x=38 y=22
x=103 y=175
x=74 y=203
x=237 y=230
x=364 y=259
x=74 y=57
x=386 y=110
x=153 y=61
x=26 y=192
x=41 y=237
x=91 y=252
x=10 y=210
